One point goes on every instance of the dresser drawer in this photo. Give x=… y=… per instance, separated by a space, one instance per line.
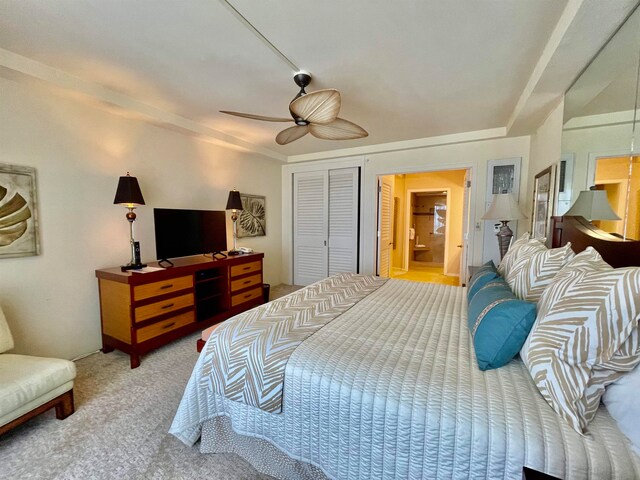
x=246 y=296
x=165 y=326
x=171 y=304
x=243 y=268
x=245 y=282
x=140 y=292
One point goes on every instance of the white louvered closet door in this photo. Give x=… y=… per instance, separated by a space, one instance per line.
x=343 y=220
x=310 y=224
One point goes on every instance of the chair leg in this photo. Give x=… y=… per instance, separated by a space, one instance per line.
x=65 y=407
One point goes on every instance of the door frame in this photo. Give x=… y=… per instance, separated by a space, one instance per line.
x=407 y=219
x=592 y=162
x=370 y=192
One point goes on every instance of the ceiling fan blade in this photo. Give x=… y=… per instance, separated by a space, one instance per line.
x=257 y=117
x=339 y=129
x=319 y=107
x=291 y=134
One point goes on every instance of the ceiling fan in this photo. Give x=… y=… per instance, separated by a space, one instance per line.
x=315 y=113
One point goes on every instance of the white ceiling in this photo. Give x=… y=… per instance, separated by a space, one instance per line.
x=406 y=69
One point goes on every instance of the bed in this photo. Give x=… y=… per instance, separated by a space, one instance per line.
x=389 y=388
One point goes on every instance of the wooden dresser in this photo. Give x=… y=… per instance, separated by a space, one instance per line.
x=143 y=311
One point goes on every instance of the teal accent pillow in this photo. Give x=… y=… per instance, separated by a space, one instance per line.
x=499 y=323
x=480 y=278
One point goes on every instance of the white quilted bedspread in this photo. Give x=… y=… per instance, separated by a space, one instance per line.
x=391 y=390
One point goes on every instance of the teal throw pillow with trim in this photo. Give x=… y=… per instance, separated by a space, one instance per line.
x=480 y=278
x=499 y=324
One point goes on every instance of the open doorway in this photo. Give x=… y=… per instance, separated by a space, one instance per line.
x=421 y=226
x=620 y=178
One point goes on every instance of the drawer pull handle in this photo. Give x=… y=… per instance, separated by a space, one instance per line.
x=246 y=268
x=168 y=305
x=168 y=325
x=164 y=287
x=247 y=295
x=247 y=281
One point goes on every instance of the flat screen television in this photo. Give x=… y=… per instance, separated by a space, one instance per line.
x=180 y=233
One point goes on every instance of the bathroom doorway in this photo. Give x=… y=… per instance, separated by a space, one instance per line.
x=427 y=219
x=421 y=225
x=620 y=178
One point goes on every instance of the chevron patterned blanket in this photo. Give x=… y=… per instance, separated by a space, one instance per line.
x=246 y=356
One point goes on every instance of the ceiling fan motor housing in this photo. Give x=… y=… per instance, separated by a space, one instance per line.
x=302 y=79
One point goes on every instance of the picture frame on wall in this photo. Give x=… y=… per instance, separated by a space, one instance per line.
x=19 y=235
x=542 y=202
x=252 y=220
x=503 y=176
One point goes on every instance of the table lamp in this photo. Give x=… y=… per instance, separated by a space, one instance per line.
x=234 y=203
x=128 y=194
x=592 y=204
x=504 y=208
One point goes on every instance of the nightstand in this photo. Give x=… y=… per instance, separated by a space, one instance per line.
x=471 y=271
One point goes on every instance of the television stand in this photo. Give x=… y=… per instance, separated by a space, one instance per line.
x=165 y=260
x=217 y=252
x=140 y=313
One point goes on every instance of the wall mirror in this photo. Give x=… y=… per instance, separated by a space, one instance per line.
x=600 y=138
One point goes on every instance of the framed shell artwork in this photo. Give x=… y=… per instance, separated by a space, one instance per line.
x=18 y=212
x=252 y=219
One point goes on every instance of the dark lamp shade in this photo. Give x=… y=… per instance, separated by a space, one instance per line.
x=234 y=202
x=128 y=192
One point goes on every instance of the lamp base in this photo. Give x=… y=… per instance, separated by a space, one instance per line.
x=504 y=238
x=132 y=266
x=232 y=253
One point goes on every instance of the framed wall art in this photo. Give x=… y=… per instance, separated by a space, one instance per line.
x=503 y=176
x=252 y=220
x=542 y=202
x=18 y=212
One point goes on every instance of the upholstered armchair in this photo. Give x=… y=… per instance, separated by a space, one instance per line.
x=31 y=385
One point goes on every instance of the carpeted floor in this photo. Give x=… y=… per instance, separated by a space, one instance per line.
x=119 y=429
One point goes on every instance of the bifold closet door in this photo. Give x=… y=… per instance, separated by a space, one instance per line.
x=325 y=224
x=310 y=225
x=343 y=220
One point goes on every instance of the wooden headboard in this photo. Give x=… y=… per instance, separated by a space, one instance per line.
x=582 y=234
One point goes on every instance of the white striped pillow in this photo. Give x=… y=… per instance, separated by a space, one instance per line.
x=585 y=336
x=535 y=268
x=514 y=252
